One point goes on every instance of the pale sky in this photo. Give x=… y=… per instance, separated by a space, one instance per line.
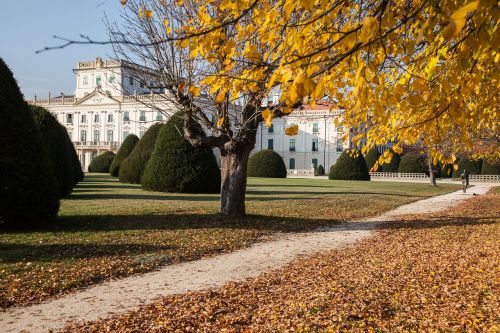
x=28 y=25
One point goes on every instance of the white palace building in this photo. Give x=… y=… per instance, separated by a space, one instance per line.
x=110 y=102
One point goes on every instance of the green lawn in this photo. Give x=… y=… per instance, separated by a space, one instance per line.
x=107 y=229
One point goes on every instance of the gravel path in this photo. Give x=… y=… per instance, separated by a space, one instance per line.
x=126 y=294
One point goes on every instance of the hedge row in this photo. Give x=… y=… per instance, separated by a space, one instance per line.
x=132 y=168
x=350 y=165
x=101 y=163
x=125 y=150
x=266 y=163
x=29 y=191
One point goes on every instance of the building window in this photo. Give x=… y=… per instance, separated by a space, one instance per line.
x=315 y=163
x=69 y=118
x=142 y=116
x=111 y=78
x=131 y=80
x=110 y=135
x=83 y=135
x=314 y=144
x=141 y=134
x=85 y=80
x=126 y=116
x=159 y=116
x=292 y=163
x=110 y=117
x=315 y=128
x=270 y=129
x=125 y=134
x=97 y=135
x=340 y=145
x=98 y=79
x=96 y=118
x=292 y=145
x=84 y=118
x=270 y=144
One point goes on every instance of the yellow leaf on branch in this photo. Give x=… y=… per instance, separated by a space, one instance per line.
x=195 y=91
x=292 y=130
x=268 y=116
x=458 y=19
x=220 y=122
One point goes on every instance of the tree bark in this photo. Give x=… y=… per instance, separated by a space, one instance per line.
x=432 y=176
x=233 y=182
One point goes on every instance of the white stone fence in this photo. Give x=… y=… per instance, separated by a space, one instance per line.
x=401 y=175
x=300 y=172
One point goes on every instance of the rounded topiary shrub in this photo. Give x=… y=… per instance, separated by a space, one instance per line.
x=132 y=168
x=125 y=150
x=393 y=165
x=350 y=165
x=176 y=166
x=76 y=166
x=490 y=168
x=472 y=166
x=266 y=163
x=371 y=158
x=102 y=163
x=412 y=162
x=28 y=188
x=55 y=139
x=319 y=171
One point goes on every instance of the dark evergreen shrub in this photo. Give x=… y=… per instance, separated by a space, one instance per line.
x=132 y=167
x=266 y=163
x=490 y=168
x=412 y=162
x=176 y=166
x=55 y=139
x=393 y=165
x=125 y=150
x=102 y=163
x=350 y=165
x=472 y=166
x=75 y=163
x=371 y=158
x=28 y=189
x=320 y=171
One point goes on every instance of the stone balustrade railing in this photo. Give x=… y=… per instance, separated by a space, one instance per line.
x=403 y=175
x=301 y=172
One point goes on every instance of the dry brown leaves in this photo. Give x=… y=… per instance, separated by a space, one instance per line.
x=437 y=274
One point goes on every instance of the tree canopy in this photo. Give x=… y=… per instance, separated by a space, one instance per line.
x=416 y=70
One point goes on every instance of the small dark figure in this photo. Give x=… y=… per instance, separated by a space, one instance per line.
x=464 y=177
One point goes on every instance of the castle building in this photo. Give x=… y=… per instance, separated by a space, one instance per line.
x=112 y=100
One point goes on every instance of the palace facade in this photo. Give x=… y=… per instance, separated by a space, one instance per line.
x=112 y=101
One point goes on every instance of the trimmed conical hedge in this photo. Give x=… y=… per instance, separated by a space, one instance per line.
x=489 y=168
x=266 y=163
x=125 y=150
x=472 y=166
x=102 y=163
x=371 y=158
x=393 y=165
x=350 y=165
x=176 y=166
x=28 y=189
x=412 y=162
x=320 y=171
x=56 y=141
x=132 y=168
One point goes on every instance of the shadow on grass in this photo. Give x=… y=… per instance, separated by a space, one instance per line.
x=47 y=252
x=11 y=253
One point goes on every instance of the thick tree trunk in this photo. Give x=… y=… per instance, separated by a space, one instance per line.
x=233 y=182
x=432 y=175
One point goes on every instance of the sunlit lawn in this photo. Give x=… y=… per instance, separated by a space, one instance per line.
x=107 y=229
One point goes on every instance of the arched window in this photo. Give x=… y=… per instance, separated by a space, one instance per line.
x=292 y=163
